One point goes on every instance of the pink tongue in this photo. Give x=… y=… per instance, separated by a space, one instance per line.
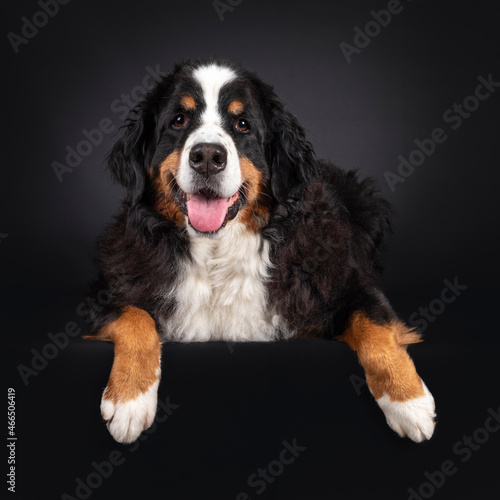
x=206 y=214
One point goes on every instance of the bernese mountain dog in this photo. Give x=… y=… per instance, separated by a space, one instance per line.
x=233 y=230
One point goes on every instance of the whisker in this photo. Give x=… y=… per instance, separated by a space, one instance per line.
x=246 y=185
x=264 y=194
x=171 y=182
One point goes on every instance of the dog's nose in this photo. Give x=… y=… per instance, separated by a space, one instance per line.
x=208 y=159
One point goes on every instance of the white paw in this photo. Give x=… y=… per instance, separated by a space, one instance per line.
x=126 y=420
x=413 y=418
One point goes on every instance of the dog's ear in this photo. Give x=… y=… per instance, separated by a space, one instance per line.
x=290 y=155
x=126 y=160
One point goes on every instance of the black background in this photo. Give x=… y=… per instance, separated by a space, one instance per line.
x=238 y=403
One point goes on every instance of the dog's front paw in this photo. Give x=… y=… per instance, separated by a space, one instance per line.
x=413 y=418
x=127 y=419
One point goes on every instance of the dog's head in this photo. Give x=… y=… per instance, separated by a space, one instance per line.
x=211 y=144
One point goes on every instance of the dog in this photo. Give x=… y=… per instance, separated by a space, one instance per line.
x=231 y=229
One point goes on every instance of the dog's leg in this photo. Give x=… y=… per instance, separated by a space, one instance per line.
x=130 y=398
x=391 y=376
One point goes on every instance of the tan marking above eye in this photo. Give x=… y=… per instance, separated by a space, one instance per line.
x=188 y=103
x=236 y=108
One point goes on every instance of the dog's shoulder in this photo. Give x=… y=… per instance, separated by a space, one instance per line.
x=335 y=204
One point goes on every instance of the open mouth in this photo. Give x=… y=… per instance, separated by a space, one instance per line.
x=206 y=211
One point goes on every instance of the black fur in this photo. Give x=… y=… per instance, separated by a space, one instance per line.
x=326 y=227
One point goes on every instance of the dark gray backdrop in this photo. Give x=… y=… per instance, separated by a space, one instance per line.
x=237 y=404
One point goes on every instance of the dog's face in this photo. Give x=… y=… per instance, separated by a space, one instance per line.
x=209 y=145
x=212 y=153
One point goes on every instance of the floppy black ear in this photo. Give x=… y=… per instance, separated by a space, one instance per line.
x=126 y=160
x=289 y=154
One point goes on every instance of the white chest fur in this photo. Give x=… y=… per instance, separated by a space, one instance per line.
x=221 y=293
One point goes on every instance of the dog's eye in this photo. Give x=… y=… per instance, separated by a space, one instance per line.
x=180 y=121
x=242 y=125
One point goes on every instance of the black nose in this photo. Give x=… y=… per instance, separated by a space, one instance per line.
x=208 y=159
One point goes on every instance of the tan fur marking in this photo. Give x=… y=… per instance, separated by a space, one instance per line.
x=255 y=214
x=382 y=352
x=164 y=198
x=236 y=108
x=188 y=103
x=137 y=354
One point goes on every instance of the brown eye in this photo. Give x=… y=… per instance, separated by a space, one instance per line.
x=180 y=121
x=242 y=125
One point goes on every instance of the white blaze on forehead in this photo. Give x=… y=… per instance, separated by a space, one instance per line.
x=211 y=79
